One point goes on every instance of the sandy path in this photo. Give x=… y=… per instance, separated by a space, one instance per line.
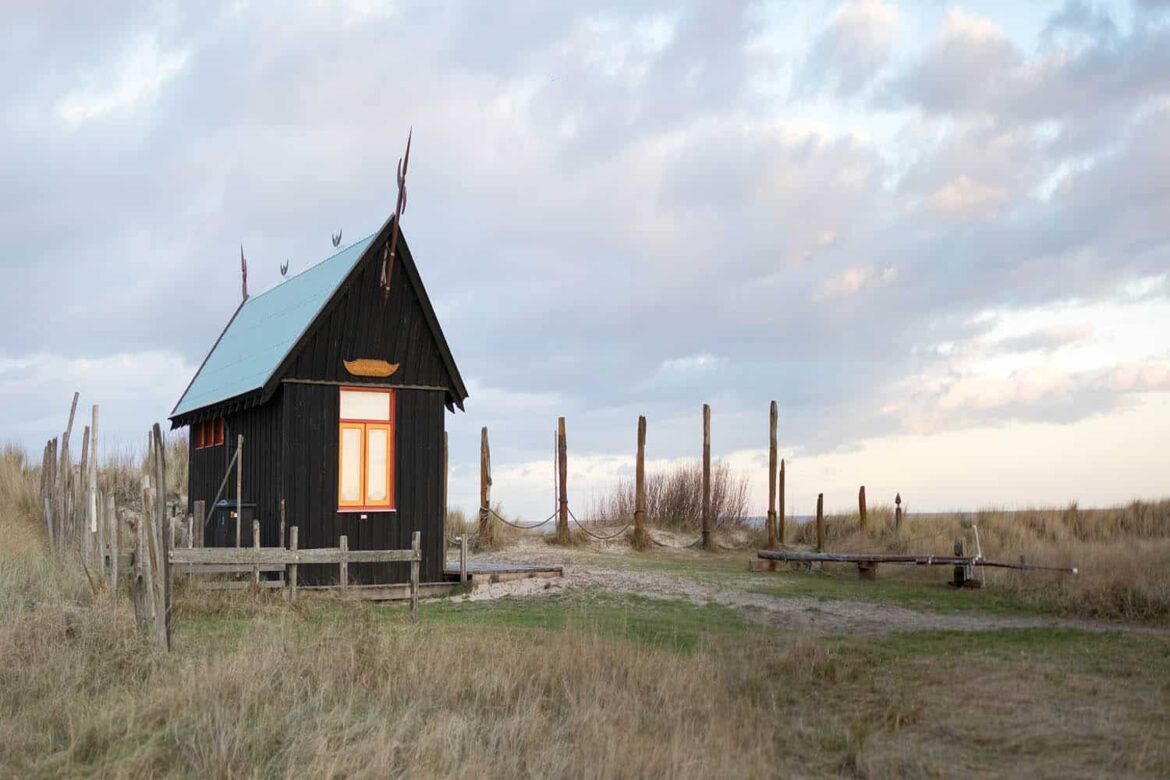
x=798 y=612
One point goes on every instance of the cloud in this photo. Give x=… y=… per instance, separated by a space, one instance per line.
x=965 y=197
x=1048 y=338
x=137 y=77
x=853 y=280
x=613 y=212
x=851 y=51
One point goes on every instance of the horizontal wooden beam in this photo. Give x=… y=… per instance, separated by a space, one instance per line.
x=241 y=556
x=224 y=568
x=351 y=383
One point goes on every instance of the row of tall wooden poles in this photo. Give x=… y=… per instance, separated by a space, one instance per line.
x=775 y=521
x=81 y=518
x=561 y=469
x=79 y=514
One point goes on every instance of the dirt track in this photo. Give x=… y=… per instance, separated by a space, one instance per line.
x=583 y=571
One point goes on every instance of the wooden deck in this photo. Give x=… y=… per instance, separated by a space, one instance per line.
x=484 y=573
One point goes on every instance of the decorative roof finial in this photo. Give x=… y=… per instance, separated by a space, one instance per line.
x=399 y=208
x=244 y=272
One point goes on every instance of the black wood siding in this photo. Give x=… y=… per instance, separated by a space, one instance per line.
x=262 y=475
x=311 y=484
x=356 y=324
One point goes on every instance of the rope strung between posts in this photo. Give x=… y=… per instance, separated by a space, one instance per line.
x=521 y=526
x=598 y=536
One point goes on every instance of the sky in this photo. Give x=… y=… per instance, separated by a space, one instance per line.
x=938 y=235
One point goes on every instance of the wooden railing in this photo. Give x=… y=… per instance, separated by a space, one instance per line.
x=256 y=559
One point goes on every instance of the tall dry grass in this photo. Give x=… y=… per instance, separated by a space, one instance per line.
x=674 y=499
x=338 y=690
x=1123 y=553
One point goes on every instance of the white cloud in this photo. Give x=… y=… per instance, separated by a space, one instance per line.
x=853 y=280
x=135 y=78
x=965 y=197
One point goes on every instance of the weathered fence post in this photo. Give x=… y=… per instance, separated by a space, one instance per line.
x=706 y=476
x=898 y=513
x=562 y=483
x=200 y=522
x=820 y=522
x=161 y=541
x=114 y=529
x=771 y=521
x=343 y=566
x=292 y=569
x=780 y=517
x=91 y=507
x=65 y=478
x=415 y=560
x=256 y=547
x=861 y=507
x=190 y=530
x=283 y=537
x=239 y=485
x=463 y=557
x=640 y=486
x=485 y=489
x=81 y=502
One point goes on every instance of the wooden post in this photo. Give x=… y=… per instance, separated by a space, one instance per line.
x=239 y=485
x=772 y=478
x=81 y=501
x=64 y=478
x=161 y=541
x=562 y=483
x=463 y=557
x=780 y=517
x=256 y=547
x=343 y=567
x=820 y=522
x=190 y=530
x=100 y=536
x=283 y=526
x=898 y=513
x=861 y=508
x=200 y=522
x=485 y=489
x=91 y=498
x=46 y=473
x=416 y=549
x=640 y=486
x=114 y=531
x=706 y=476
x=144 y=576
x=292 y=569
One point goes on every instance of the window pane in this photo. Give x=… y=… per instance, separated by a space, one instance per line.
x=376 y=488
x=351 y=465
x=357 y=405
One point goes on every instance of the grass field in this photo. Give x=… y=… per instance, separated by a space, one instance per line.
x=576 y=682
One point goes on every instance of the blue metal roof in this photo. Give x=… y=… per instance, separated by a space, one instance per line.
x=264 y=329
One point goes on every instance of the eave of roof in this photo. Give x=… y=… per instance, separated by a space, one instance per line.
x=263 y=331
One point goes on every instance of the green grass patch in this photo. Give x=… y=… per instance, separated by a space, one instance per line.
x=672 y=624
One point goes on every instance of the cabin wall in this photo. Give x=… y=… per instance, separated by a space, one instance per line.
x=357 y=324
x=310 y=419
x=262 y=475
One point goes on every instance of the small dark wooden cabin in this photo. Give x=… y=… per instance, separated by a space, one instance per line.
x=341 y=400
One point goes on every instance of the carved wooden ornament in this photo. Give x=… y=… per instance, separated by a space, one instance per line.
x=370 y=367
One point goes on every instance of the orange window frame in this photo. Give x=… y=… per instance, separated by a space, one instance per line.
x=364 y=426
x=219 y=435
x=199 y=440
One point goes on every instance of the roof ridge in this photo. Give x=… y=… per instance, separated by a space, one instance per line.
x=315 y=265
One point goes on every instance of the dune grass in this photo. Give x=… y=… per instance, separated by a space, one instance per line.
x=580 y=685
